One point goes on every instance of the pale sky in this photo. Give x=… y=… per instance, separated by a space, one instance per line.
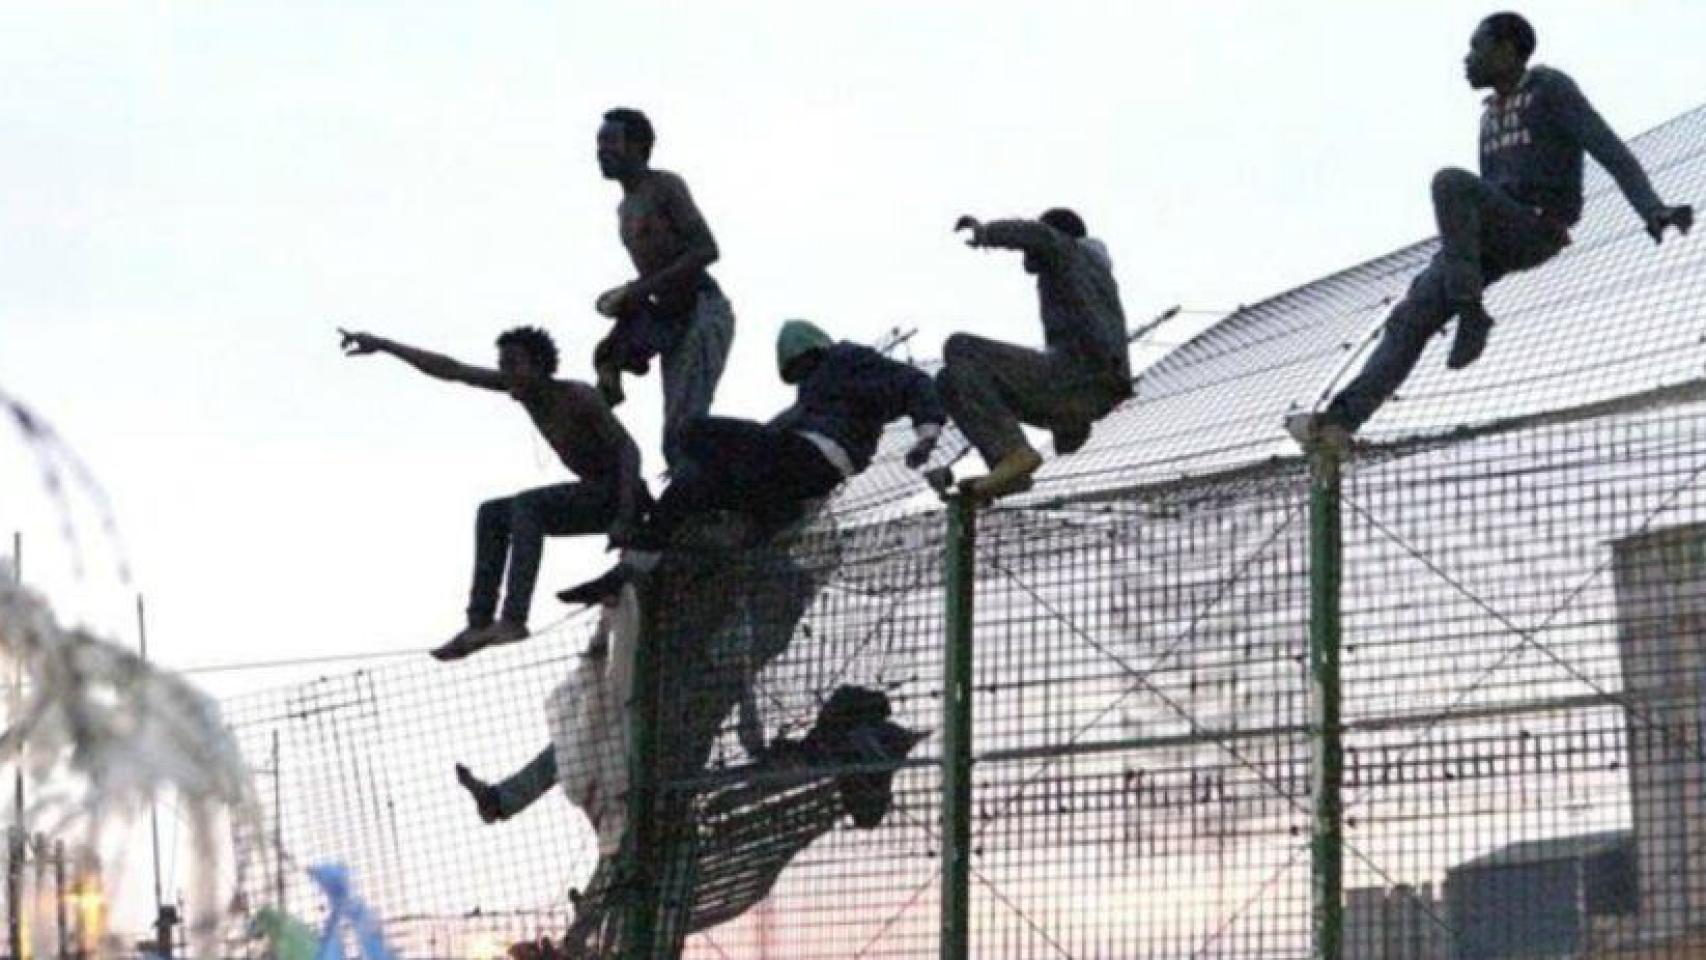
x=192 y=196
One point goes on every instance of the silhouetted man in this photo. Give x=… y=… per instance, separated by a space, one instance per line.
x=847 y=394
x=673 y=310
x=1081 y=374
x=1515 y=216
x=575 y=421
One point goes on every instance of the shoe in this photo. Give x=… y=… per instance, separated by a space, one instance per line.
x=485 y=795
x=1317 y=430
x=1011 y=475
x=940 y=480
x=867 y=797
x=1473 y=325
x=605 y=587
x=1071 y=439
x=475 y=639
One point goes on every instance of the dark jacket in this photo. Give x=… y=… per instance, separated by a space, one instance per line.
x=1532 y=143
x=1076 y=295
x=854 y=393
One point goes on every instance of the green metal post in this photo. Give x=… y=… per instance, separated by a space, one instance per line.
x=640 y=845
x=1326 y=556
x=956 y=731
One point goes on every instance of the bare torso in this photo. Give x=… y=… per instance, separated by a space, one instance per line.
x=658 y=222
x=575 y=422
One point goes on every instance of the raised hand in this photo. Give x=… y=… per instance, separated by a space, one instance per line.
x=358 y=344
x=968 y=223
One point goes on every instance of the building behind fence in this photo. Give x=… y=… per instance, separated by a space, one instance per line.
x=1515 y=555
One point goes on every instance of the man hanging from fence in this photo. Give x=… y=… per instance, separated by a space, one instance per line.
x=991 y=388
x=1515 y=216
x=847 y=394
x=574 y=420
x=673 y=310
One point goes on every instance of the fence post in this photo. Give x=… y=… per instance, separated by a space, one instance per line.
x=638 y=871
x=1326 y=556
x=959 y=587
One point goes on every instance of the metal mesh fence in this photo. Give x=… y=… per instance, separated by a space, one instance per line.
x=1521 y=588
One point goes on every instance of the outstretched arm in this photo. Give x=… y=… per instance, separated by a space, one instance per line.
x=910 y=391
x=1031 y=236
x=358 y=344
x=1602 y=143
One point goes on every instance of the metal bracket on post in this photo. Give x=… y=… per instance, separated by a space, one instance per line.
x=1326 y=557
x=959 y=587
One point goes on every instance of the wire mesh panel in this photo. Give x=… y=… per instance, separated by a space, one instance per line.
x=1522 y=586
x=360 y=769
x=1523 y=689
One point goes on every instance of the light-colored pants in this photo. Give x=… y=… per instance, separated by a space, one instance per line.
x=692 y=369
x=990 y=388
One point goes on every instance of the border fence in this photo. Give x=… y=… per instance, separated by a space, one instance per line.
x=1194 y=696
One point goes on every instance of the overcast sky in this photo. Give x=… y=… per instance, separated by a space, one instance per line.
x=192 y=196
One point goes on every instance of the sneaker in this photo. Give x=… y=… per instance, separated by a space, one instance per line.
x=1071 y=439
x=940 y=480
x=603 y=588
x=475 y=639
x=867 y=796
x=1317 y=429
x=1473 y=325
x=1009 y=476
x=485 y=795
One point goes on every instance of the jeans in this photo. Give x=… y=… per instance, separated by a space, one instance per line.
x=520 y=789
x=740 y=465
x=1484 y=234
x=515 y=528
x=990 y=388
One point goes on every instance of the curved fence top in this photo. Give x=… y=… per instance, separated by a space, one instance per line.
x=1609 y=317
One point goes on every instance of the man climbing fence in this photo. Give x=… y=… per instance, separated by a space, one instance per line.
x=1515 y=216
x=1082 y=374
x=574 y=420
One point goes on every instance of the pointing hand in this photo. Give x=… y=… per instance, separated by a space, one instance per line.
x=357 y=344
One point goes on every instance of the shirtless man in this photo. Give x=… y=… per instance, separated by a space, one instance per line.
x=574 y=420
x=673 y=309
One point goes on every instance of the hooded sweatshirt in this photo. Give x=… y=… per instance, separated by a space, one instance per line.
x=1076 y=294
x=853 y=393
x=1532 y=142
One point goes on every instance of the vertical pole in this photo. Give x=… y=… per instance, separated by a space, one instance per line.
x=278 y=825
x=153 y=806
x=59 y=895
x=959 y=586
x=15 y=838
x=1326 y=555
x=640 y=845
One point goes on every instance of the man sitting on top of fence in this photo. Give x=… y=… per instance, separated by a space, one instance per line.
x=848 y=393
x=590 y=441
x=1082 y=374
x=1515 y=216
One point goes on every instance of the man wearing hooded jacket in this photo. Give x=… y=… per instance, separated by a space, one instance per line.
x=1081 y=374
x=848 y=393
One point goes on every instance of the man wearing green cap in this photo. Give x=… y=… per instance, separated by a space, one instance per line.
x=847 y=394
x=1082 y=373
